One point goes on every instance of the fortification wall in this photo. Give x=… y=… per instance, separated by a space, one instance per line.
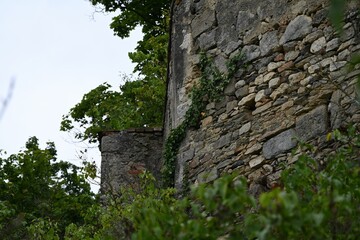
x=126 y=154
x=295 y=84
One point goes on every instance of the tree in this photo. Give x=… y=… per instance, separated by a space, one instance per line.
x=146 y=13
x=139 y=103
x=36 y=186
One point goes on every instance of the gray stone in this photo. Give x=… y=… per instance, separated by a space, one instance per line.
x=202 y=22
x=245 y=128
x=231 y=47
x=241 y=92
x=347 y=34
x=251 y=52
x=332 y=44
x=253 y=149
x=312 y=124
x=206 y=177
x=230 y=88
x=336 y=65
x=274 y=83
x=279 y=144
x=297 y=28
x=313 y=36
x=187 y=155
x=343 y=55
x=223 y=141
x=260 y=95
x=231 y=105
x=223 y=164
x=207 y=40
x=274 y=65
x=244 y=20
x=292 y=55
x=239 y=84
x=269 y=42
x=248 y=100
x=256 y=161
x=318 y=45
x=220 y=63
x=336 y=112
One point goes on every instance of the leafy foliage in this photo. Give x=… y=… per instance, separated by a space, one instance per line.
x=314 y=202
x=137 y=104
x=37 y=188
x=146 y=13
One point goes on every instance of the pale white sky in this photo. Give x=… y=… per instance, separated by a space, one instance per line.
x=57 y=51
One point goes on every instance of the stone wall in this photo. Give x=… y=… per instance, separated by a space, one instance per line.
x=126 y=154
x=294 y=87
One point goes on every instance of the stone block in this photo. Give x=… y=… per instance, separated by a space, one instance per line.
x=318 y=45
x=269 y=42
x=245 y=128
x=248 y=100
x=202 y=22
x=206 y=177
x=297 y=28
x=279 y=144
x=223 y=141
x=251 y=52
x=256 y=161
x=242 y=92
x=312 y=124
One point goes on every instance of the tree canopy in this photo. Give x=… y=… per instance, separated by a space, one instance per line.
x=140 y=100
x=36 y=186
x=146 y=13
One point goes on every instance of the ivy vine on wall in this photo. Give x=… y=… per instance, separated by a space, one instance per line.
x=210 y=88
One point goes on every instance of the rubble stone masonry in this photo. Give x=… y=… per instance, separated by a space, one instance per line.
x=294 y=87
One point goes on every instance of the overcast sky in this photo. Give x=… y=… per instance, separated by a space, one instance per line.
x=56 y=51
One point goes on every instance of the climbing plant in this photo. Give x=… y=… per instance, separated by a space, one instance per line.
x=210 y=88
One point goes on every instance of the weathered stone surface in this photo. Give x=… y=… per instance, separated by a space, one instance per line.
x=269 y=42
x=332 y=44
x=275 y=82
x=206 y=121
x=207 y=40
x=249 y=99
x=245 y=18
x=253 y=149
x=187 y=155
x=260 y=96
x=292 y=55
x=251 y=52
x=242 y=92
x=312 y=124
x=126 y=154
x=262 y=108
x=274 y=65
x=202 y=22
x=245 y=128
x=256 y=161
x=231 y=105
x=318 y=45
x=206 y=177
x=239 y=84
x=297 y=28
x=286 y=66
x=279 y=144
x=223 y=141
x=283 y=82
